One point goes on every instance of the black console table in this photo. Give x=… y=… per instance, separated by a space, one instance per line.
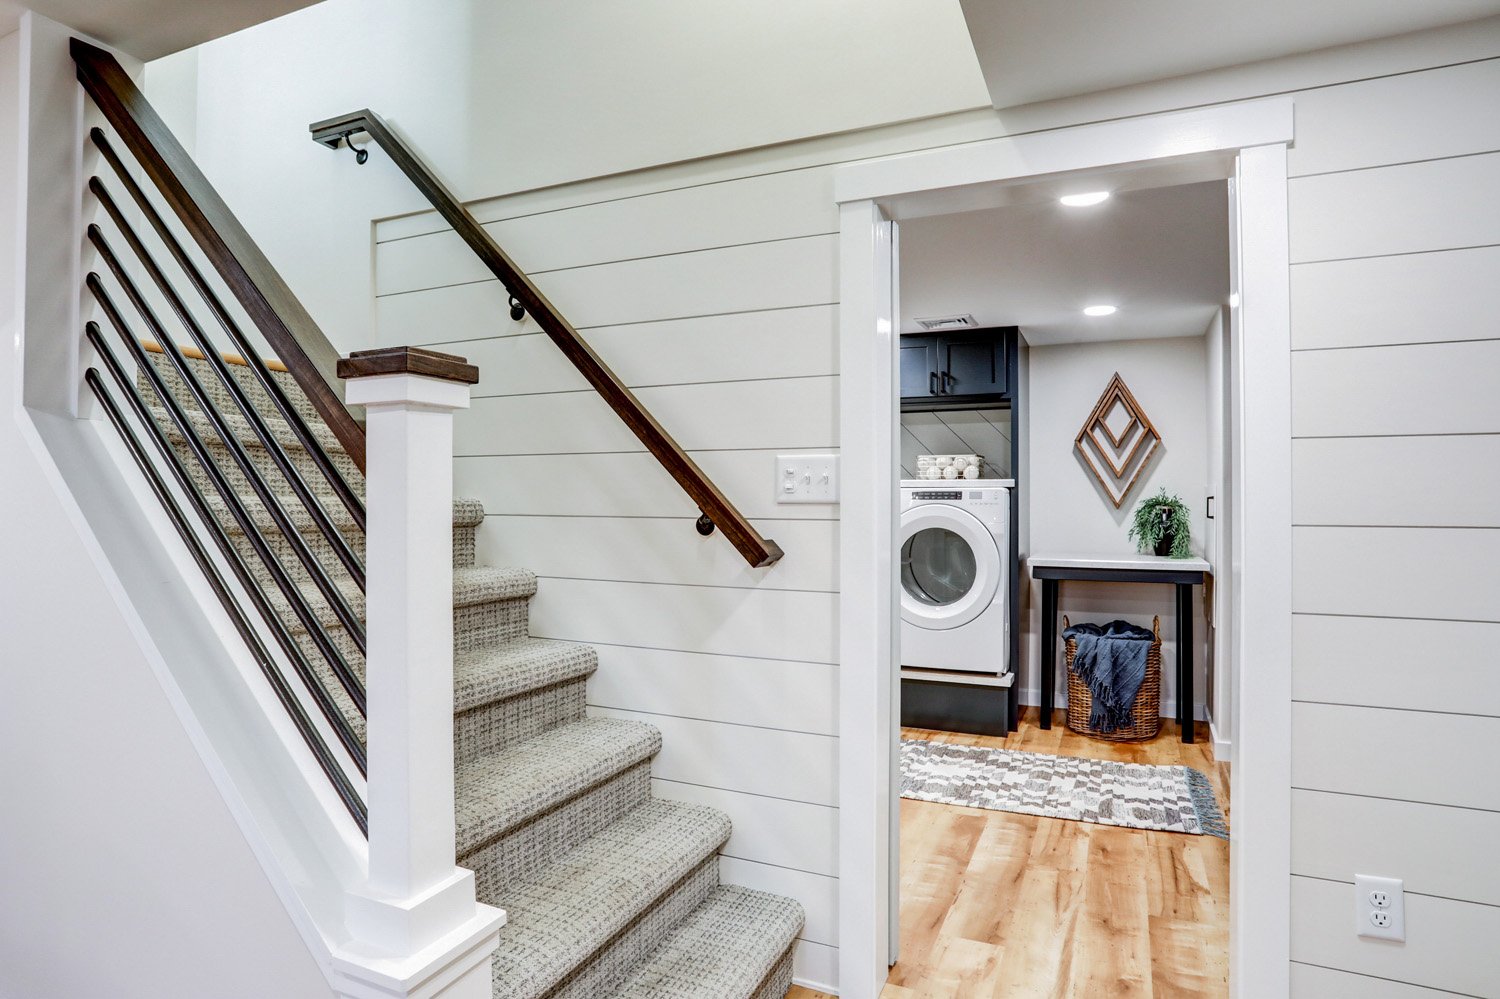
x=1180 y=573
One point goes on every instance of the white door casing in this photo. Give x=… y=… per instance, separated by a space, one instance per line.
x=1246 y=141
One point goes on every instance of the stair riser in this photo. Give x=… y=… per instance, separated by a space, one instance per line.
x=479 y=627
x=502 y=724
x=484 y=626
x=524 y=851
x=603 y=973
x=779 y=981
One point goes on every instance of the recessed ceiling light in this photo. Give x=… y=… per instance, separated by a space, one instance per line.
x=1084 y=200
x=1099 y=310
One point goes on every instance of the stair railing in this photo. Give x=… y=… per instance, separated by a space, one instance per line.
x=152 y=394
x=279 y=544
x=715 y=507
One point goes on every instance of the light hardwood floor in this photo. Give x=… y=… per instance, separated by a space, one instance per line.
x=1018 y=907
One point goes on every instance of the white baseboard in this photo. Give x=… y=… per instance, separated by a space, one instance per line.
x=808 y=983
x=1223 y=748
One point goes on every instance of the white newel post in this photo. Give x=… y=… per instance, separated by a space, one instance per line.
x=416 y=927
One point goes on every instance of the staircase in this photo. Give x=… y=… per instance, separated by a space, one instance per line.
x=609 y=892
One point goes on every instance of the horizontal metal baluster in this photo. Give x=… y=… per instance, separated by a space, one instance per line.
x=250 y=352
x=284 y=583
x=232 y=556
x=341 y=548
x=315 y=570
x=345 y=788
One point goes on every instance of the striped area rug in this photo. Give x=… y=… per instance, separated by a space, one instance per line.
x=1134 y=795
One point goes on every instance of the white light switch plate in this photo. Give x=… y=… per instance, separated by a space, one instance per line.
x=807 y=478
x=1379 y=907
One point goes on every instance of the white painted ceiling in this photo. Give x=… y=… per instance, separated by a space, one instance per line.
x=149 y=29
x=1160 y=254
x=1038 y=50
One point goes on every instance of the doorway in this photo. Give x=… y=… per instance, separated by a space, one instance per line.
x=1244 y=143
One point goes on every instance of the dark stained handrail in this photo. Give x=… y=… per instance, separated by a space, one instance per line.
x=275 y=311
x=717 y=510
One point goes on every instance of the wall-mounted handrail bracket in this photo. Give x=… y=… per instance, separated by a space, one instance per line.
x=705 y=525
x=527 y=299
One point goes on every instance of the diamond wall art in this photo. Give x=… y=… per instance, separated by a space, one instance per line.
x=1117 y=441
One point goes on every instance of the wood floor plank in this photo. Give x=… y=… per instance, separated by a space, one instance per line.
x=1021 y=907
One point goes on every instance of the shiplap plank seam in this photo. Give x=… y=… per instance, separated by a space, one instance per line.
x=542 y=272
x=1388 y=797
x=1405 y=891
x=1393 y=981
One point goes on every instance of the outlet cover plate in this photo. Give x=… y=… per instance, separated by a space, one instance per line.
x=807 y=478
x=1379 y=907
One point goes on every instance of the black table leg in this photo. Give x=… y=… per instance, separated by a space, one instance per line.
x=1049 y=648
x=1185 y=660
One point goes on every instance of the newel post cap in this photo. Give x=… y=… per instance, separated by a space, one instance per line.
x=392 y=376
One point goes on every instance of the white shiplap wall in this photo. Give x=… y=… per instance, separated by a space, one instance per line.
x=711 y=287
x=716 y=304
x=1395 y=248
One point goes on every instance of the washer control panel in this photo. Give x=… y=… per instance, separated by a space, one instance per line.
x=945 y=494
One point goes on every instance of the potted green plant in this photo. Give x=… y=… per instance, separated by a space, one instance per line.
x=1161 y=525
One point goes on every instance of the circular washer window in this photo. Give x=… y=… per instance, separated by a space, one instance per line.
x=950 y=566
x=937 y=566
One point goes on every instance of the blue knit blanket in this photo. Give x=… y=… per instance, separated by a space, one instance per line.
x=1111 y=661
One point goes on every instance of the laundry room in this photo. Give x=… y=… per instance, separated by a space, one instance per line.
x=1066 y=358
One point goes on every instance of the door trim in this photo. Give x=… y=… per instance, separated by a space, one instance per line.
x=1245 y=140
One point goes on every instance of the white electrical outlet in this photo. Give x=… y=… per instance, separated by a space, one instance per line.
x=807 y=478
x=1379 y=907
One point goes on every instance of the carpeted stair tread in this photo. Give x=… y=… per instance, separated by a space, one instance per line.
x=574 y=907
x=467 y=513
x=482 y=584
x=724 y=950
x=472 y=585
x=496 y=793
x=484 y=676
x=240 y=429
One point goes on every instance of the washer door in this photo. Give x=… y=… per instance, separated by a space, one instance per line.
x=950 y=567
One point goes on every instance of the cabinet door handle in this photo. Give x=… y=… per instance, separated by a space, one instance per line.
x=932 y=388
x=947 y=377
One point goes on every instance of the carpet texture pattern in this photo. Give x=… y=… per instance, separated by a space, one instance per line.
x=608 y=891
x=1134 y=795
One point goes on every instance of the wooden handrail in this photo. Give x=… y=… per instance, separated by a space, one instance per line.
x=717 y=510
x=278 y=315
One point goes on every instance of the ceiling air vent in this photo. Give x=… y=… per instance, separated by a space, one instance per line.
x=947 y=322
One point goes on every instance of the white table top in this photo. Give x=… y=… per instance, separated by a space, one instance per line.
x=1093 y=560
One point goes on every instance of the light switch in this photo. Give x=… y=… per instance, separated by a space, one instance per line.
x=807 y=478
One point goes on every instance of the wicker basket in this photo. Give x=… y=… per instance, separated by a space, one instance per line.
x=1145 y=714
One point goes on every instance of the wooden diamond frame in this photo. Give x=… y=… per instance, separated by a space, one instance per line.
x=1120 y=455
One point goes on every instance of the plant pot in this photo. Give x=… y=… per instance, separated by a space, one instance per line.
x=1164 y=546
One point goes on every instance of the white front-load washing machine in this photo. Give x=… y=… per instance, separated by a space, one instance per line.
x=955 y=546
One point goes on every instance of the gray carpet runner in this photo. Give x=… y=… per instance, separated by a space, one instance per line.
x=609 y=892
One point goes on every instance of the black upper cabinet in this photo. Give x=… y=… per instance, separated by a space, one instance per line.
x=950 y=370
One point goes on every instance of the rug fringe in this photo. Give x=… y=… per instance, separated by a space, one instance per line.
x=1210 y=819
